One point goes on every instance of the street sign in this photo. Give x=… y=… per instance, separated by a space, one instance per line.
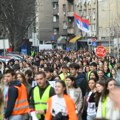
x=94 y=44
x=89 y=41
x=101 y=51
x=24 y=51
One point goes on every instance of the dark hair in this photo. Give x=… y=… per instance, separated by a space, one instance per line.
x=12 y=72
x=73 y=80
x=88 y=83
x=93 y=64
x=63 y=84
x=86 y=68
x=65 y=67
x=25 y=82
x=108 y=70
x=101 y=82
x=41 y=73
x=95 y=73
x=106 y=91
x=49 y=69
x=1 y=98
x=28 y=72
x=98 y=95
x=75 y=66
x=66 y=59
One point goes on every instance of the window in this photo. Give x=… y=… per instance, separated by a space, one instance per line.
x=94 y=27
x=41 y=42
x=64 y=25
x=64 y=8
x=54 y=18
x=90 y=28
x=54 y=5
x=55 y=31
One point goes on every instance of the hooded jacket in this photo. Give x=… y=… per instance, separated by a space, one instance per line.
x=81 y=82
x=12 y=96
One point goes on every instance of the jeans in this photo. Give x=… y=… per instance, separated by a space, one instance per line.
x=91 y=117
x=19 y=117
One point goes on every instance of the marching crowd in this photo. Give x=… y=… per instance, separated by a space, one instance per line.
x=60 y=85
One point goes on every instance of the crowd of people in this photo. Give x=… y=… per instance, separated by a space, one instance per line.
x=60 y=85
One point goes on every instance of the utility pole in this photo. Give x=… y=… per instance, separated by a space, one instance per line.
x=97 y=19
x=117 y=29
x=109 y=29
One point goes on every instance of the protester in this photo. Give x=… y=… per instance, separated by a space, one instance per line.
x=65 y=73
x=76 y=68
x=113 y=73
x=22 y=79
x=40 y=94
x=75 y=93
x=1 y=105
x=62 y=101
x=29 y=76
x=101 y=75
x=100 y=86
x=80 y=79
x=49 y=74
x=93 y=68
x=17 y=104
x=107 y=71
x=93 y=75
x=105 y=107
x=5 y=87
x=91 y=105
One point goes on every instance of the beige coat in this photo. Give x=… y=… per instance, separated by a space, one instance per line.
x=78 y=100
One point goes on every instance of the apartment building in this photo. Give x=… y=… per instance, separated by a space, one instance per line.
x=63 y=20
x=109 y=24
x=45 y=24
x=55 y=19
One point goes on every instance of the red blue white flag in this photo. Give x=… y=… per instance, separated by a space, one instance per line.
x=83 y=24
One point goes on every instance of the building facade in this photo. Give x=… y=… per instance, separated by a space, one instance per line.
x=45 y=24
x=109 y=24
x=56 y=18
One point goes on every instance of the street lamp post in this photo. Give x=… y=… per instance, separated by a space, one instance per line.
x=109 y=29
x=117 y=29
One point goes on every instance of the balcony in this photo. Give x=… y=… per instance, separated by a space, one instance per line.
x=55 y=1
x=70 y=14
x=55 y=11
x=70 y=31
x=56 y=24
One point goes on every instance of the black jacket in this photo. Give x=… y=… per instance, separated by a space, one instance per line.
x=81 y=82
x=12 y=96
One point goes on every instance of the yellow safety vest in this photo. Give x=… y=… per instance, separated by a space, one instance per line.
x=41 y=103
x=104 y=108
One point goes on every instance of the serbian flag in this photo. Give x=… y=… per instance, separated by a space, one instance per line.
x=83 y=24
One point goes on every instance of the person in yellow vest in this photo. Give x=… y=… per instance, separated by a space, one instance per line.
x=40 y=94
x=106 y=107
x=17 y=103
x=65 y=73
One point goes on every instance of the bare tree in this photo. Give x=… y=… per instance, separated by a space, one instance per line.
x=116 y=26
x=17 y=16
